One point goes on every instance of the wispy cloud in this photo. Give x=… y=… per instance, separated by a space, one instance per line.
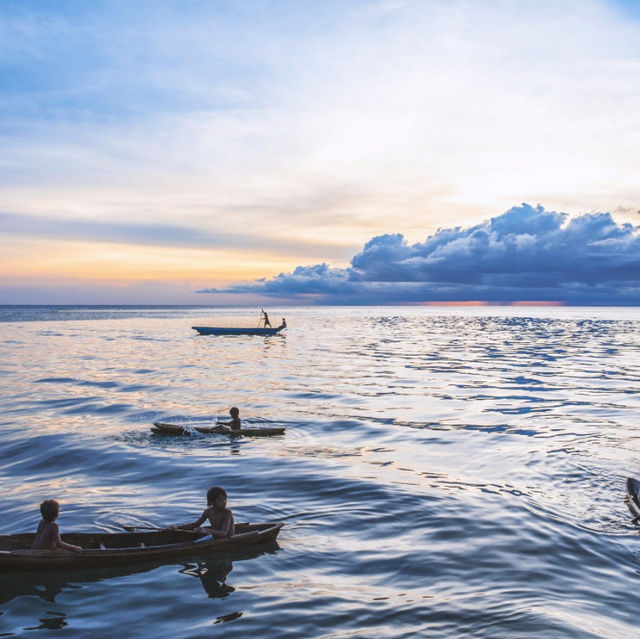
x=527 y=253
x=438 y=107
x=147 y=234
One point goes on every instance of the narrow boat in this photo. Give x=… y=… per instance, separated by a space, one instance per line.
x=633 y=493
x=103 y=550
x=163 y=428
x=264 y=328
x=215 y=330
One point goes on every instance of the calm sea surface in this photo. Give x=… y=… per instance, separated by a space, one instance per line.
x=445 y=472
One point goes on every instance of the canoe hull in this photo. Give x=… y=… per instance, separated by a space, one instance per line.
x=633 y=490
x=219 y=330
x=124 y=548
x=164 y=428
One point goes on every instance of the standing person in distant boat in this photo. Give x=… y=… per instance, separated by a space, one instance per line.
x=284 y=323
x=235 y=423
x=266 y=319
x=48 y=533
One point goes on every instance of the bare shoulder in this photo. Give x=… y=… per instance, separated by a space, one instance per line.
x=220 y=516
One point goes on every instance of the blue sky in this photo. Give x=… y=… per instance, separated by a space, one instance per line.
x=156 y=149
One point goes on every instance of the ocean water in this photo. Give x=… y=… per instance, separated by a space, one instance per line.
x=445 y=472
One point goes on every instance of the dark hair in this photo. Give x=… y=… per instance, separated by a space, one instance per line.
x=234 y=411
x=49 y=509
x=213 y=493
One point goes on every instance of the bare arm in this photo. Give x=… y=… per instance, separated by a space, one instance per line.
x=222 y=427
x=194 y=524
x=58 y=543
x=234 y=424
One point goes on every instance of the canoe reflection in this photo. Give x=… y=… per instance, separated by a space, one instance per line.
x=213 y=575
x=212 y=572
x=55 y=622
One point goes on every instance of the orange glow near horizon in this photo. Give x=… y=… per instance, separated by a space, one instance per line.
x=109 y=263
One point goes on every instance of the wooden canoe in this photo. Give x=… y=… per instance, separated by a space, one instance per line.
x=220 y=330
x=103 y=550
x=164 y=428
x=633 y=492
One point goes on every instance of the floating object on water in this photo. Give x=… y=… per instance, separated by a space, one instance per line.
x=103 y=550
x=219 y=330
x=633 y=491
x=264 y=328
x=164 y=428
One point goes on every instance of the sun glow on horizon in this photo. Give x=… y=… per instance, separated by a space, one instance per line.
x=42 y=260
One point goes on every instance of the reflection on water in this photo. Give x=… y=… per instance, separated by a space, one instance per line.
x=213 y=576
x=55 y=622
x=21 y=585
x=211 y=571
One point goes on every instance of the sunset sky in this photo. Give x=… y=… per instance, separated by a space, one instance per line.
x=358 y=151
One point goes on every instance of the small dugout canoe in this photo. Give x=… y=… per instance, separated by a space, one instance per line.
x=163 y=428
x=104 y=550
x=633 y=493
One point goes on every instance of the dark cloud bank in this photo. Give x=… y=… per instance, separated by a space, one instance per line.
x=526 y=254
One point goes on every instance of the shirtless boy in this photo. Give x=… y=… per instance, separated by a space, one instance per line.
x=48 y=533
x=220 y=518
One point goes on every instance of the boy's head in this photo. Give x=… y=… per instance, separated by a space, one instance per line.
x=234 y=412
x=213 y=494
x=49 y=509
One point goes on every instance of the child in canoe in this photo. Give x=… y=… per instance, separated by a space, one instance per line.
x=48 y=533
x=220 y=518
x=234 y=424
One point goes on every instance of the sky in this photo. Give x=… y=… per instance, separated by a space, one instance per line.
x=272 y=152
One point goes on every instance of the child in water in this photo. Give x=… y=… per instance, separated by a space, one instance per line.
x=235 y=423
x=219 y=516
x=48 y=533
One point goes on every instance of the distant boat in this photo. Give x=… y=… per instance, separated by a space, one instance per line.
x=215 y=330
x=163 y=428
x=103 y=550
x=264 y=328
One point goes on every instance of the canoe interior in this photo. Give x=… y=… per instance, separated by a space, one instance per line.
x=633 y=490
x=112 y=541
x=178 y=429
